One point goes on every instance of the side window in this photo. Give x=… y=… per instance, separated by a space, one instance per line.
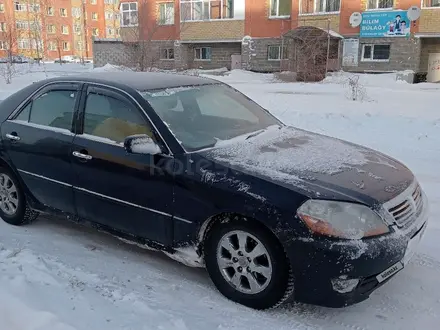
x=109 y=117
x=24 y=114
x=54 y=109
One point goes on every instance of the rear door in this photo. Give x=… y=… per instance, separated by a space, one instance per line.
x=38 y=139
x=128 y=192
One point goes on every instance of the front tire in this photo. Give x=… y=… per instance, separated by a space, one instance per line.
x=14 y=208
x=247 y=264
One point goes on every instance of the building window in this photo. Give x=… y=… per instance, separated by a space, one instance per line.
x=110 y=31
x=202 y=53
x=371 y=53
x=327 y=6
x=51 y=29
x=380 y=4
x=2 y=27
x=64 y=29
x=2 y=7
x=50 y=11
x=111 y=2
x=79 y=45
x=320 y=6
x=34 y=26
x=77 y=28
x=274 y=53
x=36 y=45
x=3 y=45
x=108 y=15
x=23 y=44
x=167 y=54
x=280 y=8
x=129 y=11
x=76 y=12
x=166 y=13
x=34 y=8
x=63 y=12
x=430 y=3
x=94 y=16
x=198 y=10
x=95 y=32
x=20 y=6
x=52 y=46
x=66 y=46
x=93 y=2
x=22 y=25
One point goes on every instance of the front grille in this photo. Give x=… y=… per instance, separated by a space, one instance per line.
x=407 y=210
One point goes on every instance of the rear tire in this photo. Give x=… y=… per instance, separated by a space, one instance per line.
x=248 y=265
x=14 y=208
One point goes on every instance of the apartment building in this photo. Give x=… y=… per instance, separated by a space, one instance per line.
x=52 y=28
x=257 y=34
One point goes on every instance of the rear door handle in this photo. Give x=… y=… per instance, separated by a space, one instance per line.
x=13 y=137
x=81 y=155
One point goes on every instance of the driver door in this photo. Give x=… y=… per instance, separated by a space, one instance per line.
x=131 y=193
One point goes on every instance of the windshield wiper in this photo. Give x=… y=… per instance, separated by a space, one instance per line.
x=255 y=133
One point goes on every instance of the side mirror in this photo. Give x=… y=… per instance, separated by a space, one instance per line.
x=141 y=144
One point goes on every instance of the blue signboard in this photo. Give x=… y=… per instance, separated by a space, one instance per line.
x=380 y=24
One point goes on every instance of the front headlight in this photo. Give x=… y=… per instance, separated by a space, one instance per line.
x=340 y=219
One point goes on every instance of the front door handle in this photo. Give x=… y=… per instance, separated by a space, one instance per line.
x=13 y=137
x=81 y=155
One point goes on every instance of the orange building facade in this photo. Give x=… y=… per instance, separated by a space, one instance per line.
x=252 y=34
x=50 y=29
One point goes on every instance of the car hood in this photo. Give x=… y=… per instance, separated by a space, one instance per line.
x=317 y=165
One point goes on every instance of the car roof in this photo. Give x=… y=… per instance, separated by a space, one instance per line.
x=141 y=81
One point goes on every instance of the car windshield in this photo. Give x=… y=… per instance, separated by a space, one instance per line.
x=201 y=116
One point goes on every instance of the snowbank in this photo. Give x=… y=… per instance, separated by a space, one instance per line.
x=16 y=315
x=110 y=68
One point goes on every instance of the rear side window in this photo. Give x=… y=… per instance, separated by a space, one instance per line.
x=53 y=109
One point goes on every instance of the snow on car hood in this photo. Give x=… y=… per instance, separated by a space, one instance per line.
x=292 y=156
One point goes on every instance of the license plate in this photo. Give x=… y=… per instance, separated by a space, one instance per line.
x=394 y=269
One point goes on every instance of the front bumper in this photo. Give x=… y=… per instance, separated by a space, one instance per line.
x=373 y=262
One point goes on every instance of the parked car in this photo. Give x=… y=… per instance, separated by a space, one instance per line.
x=19 y=59
x=16 y=59
x=182 y=163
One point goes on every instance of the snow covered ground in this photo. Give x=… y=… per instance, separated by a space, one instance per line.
x=55 y=275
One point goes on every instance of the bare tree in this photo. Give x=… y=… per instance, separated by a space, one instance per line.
x=37 y=24
x=81 y=28
x=53 y=25
x=141 y=28
x=114 y=10
x=312 y=52
x=9 y=40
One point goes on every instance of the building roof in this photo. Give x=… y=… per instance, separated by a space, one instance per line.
x=141 y=80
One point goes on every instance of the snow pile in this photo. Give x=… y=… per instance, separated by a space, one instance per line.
x=16 y=315
x=111 y=68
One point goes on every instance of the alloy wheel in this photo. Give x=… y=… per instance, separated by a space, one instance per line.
x=8 y=195
x=244 y=262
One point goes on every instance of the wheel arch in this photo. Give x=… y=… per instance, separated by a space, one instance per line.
x=210 y=222
x=30 y=198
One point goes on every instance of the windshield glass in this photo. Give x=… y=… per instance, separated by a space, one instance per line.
x=200 y=116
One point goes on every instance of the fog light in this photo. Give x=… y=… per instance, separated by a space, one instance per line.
x=344 y=285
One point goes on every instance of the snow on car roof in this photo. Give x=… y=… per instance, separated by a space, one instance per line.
x=143 y=81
